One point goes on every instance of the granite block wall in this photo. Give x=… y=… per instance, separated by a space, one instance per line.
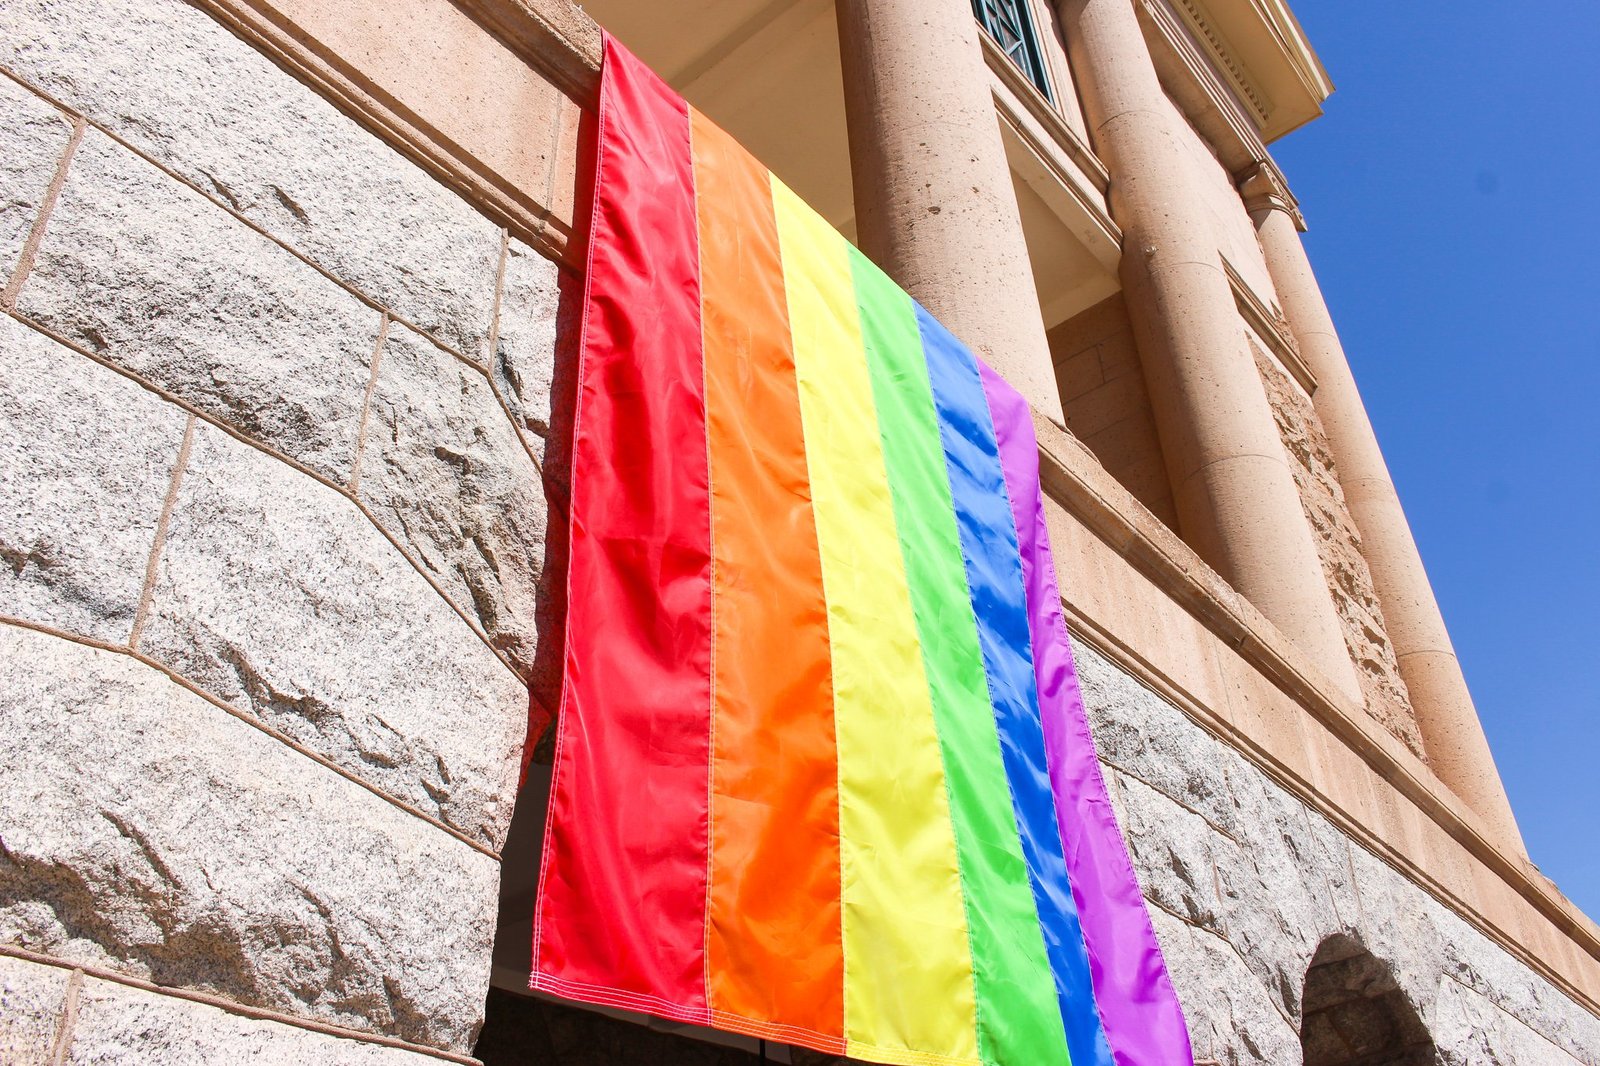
x=272 y=523
x=1245 y=884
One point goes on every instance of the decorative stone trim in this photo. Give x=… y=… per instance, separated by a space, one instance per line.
x=1263 y=187
x=1222 y=53
x=1024 y=94
x=1192 y=79
x=1269 y=324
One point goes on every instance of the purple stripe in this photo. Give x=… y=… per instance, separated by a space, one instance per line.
x=1143 y=1021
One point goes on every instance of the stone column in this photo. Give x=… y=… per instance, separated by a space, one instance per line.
x=1451 y=732
x=1237 y=502
x=935 y=207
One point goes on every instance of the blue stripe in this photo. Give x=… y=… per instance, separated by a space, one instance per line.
x=994 y=578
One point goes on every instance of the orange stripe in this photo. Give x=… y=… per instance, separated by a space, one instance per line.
x=774 y=951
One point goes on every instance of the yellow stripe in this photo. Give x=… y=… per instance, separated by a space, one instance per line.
x=908 y=968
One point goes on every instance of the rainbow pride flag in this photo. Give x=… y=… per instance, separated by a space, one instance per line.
x=822 y=771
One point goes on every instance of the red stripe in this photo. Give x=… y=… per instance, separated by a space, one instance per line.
x=623 y=881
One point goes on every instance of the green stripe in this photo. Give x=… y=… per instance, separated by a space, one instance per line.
x=1019 y=1019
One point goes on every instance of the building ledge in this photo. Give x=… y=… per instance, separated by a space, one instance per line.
x=1260 y=50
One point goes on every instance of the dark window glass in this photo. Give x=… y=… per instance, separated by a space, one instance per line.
x=1009 y=24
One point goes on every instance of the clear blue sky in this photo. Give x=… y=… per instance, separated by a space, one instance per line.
x=1450 y=189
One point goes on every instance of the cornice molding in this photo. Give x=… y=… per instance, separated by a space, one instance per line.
x=1195 y=85
x=1260 y=50
x=1024 y=94
x=1215 y=110
x=1226 y=59
x=1269 y=324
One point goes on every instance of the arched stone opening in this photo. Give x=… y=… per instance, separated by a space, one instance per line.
x=1354 y=1013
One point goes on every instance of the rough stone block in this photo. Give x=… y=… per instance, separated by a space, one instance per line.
x=1277 y=933
x=524 y=358
x=1329 y=852
x=277 y=595
x=1230 y=1016
x=1148 y=738
x=445 y=474
x=1171 y=850
x=137 y=267
x=524 y=1030
x=117 y=1024
x=33 y=137
x=179 y=87
x=31 y=1000
x=149 y=831
x=85 y=460
x=1469 y=1030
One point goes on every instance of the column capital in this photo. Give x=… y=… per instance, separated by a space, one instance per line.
x=1263 y=187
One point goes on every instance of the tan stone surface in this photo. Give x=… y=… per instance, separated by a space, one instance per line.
x=455 y=78
x=1234 y=493
x=1213 y=201
x=935 y=207
x=1107 y=403
x=1451 y=733
x=1100 y=586
x=1340 y=547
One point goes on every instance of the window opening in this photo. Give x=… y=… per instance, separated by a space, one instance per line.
x=1011 y=26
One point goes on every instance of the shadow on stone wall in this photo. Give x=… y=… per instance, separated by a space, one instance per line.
x=550 y=611
x=525 y=837
x=521 y=1031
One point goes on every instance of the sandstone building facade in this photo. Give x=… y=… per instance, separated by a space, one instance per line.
x=287 y=292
